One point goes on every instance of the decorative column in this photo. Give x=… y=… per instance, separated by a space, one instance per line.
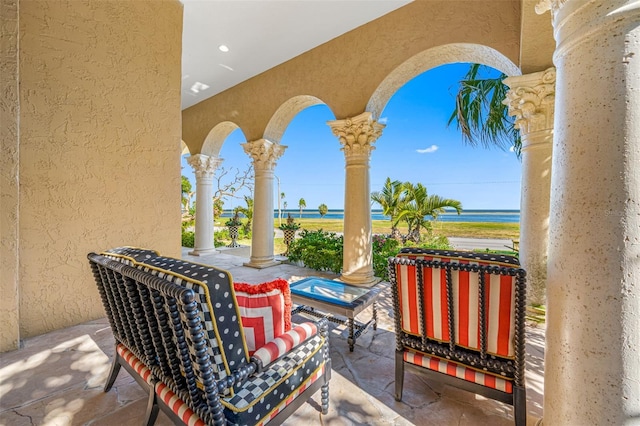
x=357 y=136
x=204 y=168
x=264 y=154
x=592 y=356
x=531 y=100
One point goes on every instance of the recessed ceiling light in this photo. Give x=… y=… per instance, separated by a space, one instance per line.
x=223 y=48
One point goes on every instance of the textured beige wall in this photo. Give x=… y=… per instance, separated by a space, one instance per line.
x=536 y=44
x=99 y=146
x=344 y=72
x=9 y=111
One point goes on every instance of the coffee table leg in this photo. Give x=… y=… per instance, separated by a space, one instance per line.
x=351 y=339
x=375 y=316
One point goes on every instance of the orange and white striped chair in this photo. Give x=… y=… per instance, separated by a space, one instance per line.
x=459 y=318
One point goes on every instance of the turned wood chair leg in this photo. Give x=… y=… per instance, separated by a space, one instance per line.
x=152 y=407
x=113 y=373
x=519 y=406
x=399 y=374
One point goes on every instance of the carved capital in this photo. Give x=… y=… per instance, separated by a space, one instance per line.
x=204 y=166
x=553 y=5
x=358 y=134
x=264 y=153
x=531 y=100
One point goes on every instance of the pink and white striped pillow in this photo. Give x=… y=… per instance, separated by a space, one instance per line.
x=265 y=310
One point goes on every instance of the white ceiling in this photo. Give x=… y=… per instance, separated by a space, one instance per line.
x=260 y=35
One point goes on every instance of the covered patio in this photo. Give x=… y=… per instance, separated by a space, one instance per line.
x=57 y=377
x=92 y=125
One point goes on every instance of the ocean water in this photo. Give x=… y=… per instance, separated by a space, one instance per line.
x=500 y=216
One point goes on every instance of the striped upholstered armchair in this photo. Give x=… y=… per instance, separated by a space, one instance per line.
x=459 y=319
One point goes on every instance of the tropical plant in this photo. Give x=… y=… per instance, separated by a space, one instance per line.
x=188 y=238
x=319 y=250
x=289 y=224
x=383 y=248
x=391 y=199
x=419 y=205
x=323 y=209
x=218 y=208
x=186 y=193
x=247 y=212
x=479 y=113
x=234 y=221
x=302 y=204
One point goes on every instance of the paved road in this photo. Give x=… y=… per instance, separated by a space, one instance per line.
x=480 y=243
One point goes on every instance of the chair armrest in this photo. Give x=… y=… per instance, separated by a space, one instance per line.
x=274 y=350
x=284 y=343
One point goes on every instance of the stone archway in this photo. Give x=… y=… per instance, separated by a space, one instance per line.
x=434 y=57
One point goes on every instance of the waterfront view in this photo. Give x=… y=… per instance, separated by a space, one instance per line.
x=495 y=216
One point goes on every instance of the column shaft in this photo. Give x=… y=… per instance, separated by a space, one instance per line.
x=264 y=154
x=534 y=212
x=204 y=167
x=592 y=361
x=357 y=136
x=531 y=100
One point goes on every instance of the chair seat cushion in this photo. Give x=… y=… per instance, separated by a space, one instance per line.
x=262 y=396
x=458 y=370
x=265 y=310
x=137 y=365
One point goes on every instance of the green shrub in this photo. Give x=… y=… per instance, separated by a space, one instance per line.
x=384 y=247
x=431 y=241
x=188 y=238
x=318 y=250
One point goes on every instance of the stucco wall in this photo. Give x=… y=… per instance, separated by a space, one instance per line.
x=345 y=71
x=99 y=146
x=9 y=110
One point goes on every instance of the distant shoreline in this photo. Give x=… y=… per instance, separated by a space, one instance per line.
x=471 y=215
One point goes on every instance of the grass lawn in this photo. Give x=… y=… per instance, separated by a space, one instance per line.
x=449 y=229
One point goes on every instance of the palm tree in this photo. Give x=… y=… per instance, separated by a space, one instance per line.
x=323 y=209
x=479 y=113
x=186 y=193
x=247 y=212
x=391 y=199
x=302 y=204
x=419 y=205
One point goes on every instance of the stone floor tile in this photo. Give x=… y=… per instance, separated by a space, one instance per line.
x=57 y=378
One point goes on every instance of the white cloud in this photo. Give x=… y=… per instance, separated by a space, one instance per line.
x=383 y=120
x=512 y=148
x=432 y=148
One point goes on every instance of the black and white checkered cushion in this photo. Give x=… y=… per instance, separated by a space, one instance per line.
x=263 y=393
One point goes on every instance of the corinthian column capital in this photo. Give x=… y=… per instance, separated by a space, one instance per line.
x=264 y=153
x=531 y=100
x=204 y=166
x=357 y=134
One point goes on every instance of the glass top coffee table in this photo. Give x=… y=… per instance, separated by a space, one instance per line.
x=315 y=295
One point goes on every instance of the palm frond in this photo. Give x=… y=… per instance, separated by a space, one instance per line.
x=480 y=115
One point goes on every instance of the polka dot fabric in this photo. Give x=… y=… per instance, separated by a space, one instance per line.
x=216 y=300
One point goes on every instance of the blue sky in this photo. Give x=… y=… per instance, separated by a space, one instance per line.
x=415 y=146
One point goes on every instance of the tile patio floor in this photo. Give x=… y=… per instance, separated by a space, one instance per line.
x=57 y=378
